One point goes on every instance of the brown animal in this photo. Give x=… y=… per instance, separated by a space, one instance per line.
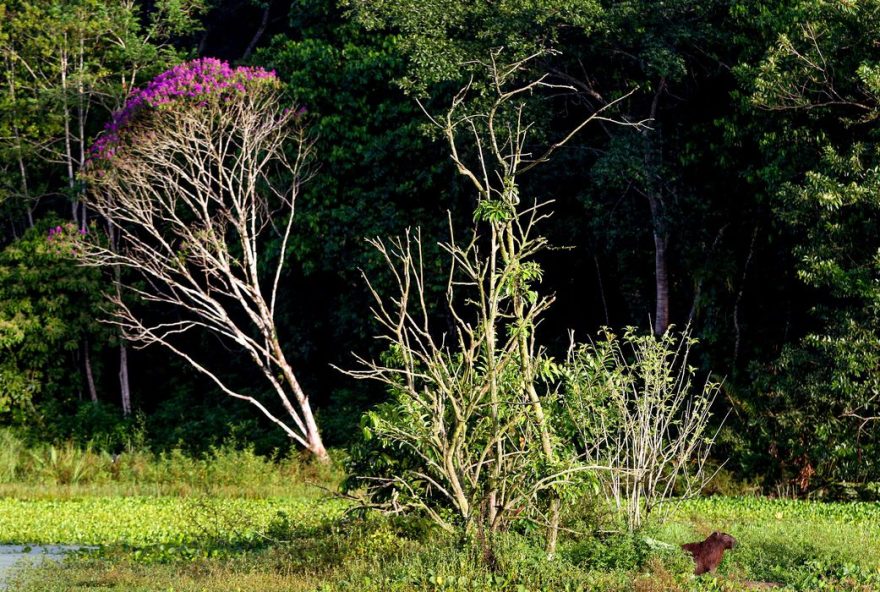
x=708 y=554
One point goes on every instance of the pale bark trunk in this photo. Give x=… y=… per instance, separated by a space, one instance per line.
x=661 y=318
x=68 y=146
x=22 y=170
x=661 y=265
x=81 y=120
x=90 y=377
x=313 y=436
x=124 y=389
x=653 y=192
x=124 y=385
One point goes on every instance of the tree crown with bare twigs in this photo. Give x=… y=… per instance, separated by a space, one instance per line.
x=191 y=175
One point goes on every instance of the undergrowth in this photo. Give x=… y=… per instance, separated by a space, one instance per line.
x=67 y=470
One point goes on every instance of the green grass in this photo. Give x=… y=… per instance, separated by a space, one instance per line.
x=786 y=540
x=66 y=471
x=235 y=521
x=218 y=544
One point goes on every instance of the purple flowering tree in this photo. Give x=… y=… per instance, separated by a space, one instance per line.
x=187 y=175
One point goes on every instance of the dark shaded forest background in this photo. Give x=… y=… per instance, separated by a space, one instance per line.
x=749 y=207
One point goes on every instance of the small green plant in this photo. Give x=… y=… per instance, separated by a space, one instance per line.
x=12 y=449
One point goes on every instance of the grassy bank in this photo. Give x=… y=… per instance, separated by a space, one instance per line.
x=68 y=471
x=218 y=544
x=232 y=520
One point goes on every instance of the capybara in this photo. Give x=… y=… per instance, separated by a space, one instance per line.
x=708 y=554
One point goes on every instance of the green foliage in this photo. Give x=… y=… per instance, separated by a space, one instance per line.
x=816 y=397
x=146 y=524
x=635 y=411
x=80 y=468
x=443 y=38
x=12 y=451
x=66 y=64
x=373 y=156
x=814 y=409
x=796 y=543
x=100 y=424
x=49 y=308
x=763 y=149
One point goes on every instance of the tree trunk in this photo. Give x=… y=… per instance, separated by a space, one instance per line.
x=313 y=437
x=316 y=445
x=22 y=170
x=661 y=270
x=654 y=193
x=90 y=377
x=81 y=121
x=491 y=341
x=124 y=388
x=661 y=274
x=262 y=29
x=68 y=147
x=528 y=372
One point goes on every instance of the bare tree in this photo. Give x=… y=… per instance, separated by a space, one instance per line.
x=471 y=401
x=191 y=187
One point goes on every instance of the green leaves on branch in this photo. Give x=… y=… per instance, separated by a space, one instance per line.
x=443 y=39
x=48 y=311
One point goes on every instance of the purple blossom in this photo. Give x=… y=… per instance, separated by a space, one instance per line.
x=196 y=83
x=59 y=234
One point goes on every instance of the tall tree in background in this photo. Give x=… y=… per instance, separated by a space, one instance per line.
x=605 y=49
x=665 y=50
x=65 y=66
x=821 y=79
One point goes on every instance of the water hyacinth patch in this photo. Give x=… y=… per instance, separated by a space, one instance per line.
x=193 y=84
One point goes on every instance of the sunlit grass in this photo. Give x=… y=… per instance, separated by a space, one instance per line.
x=233 y=520
x=217 y=544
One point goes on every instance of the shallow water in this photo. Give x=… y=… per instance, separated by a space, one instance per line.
x=13 y=555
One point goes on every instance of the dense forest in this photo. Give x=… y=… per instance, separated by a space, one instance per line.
x=731 y=186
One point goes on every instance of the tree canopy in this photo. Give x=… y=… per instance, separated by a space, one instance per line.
x=732 y=190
